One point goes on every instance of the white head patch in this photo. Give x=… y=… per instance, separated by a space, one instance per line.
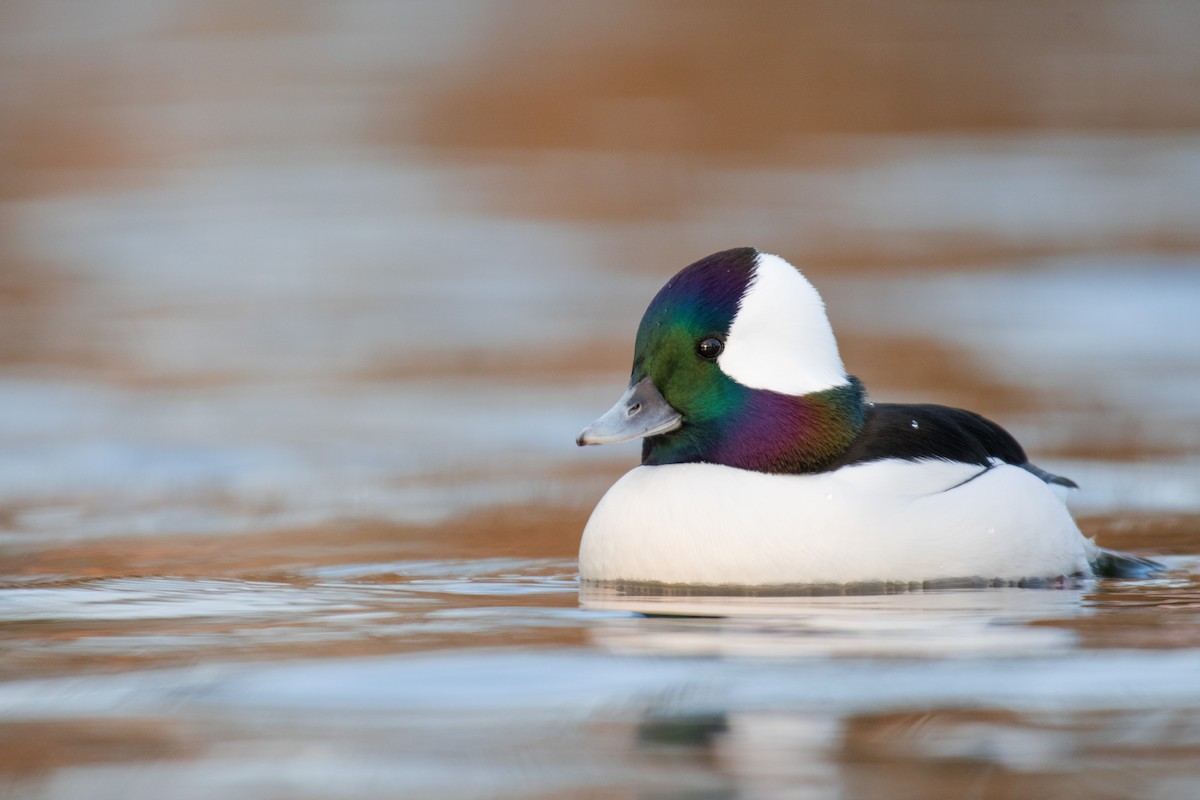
x=780 y=338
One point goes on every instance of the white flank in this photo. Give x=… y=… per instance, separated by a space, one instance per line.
x=781 y=339
x=890 y=521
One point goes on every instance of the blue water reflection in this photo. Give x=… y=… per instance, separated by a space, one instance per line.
x=301 y=307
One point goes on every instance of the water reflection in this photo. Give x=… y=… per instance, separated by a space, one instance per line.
x=301 y=307
x=942 y=623
x=816 y=696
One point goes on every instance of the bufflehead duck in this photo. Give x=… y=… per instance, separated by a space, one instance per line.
x=763 y=464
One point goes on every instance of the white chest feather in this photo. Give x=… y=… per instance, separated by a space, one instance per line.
x=890 y=521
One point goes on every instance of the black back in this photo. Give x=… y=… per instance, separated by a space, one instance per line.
x=912 y=432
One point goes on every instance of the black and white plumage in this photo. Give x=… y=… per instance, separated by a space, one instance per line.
x=764 y=466
x=925 y=431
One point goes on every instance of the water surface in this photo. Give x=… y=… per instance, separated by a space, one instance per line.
x=302 y=308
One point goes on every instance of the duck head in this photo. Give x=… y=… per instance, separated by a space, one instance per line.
x=735 y=363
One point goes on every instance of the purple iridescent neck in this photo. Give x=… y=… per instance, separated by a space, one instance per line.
x=765 y=431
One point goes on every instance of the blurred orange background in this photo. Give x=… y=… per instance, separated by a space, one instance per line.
x=302 y=305
x=279 y=152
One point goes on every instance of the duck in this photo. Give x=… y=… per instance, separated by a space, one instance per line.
x=764 y=465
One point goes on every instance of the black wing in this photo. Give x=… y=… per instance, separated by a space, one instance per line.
x=912 y=432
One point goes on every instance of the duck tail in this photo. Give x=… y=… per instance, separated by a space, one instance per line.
x=1112 y=564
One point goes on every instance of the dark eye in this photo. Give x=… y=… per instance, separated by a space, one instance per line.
x=709 y=347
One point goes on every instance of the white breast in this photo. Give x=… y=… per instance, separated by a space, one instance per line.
x=890 y=521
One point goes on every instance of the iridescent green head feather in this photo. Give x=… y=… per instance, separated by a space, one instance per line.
x=711 y=348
